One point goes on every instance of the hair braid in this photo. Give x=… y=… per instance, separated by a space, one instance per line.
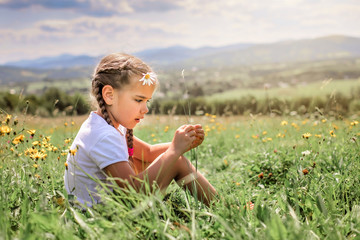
x=129 y=140
x=99 y=98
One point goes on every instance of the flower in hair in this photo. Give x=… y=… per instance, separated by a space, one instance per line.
x=148 y=78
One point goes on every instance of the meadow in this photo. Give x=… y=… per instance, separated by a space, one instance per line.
x=288 y=177
x=322 y=89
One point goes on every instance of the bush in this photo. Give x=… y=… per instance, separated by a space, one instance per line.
x=55 y=101
x=354 y=106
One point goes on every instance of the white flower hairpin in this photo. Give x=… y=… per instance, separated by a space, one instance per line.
x=148 y=78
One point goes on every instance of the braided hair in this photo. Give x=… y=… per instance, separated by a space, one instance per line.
x=116 y=70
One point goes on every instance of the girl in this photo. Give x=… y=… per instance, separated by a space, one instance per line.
x=105 y=146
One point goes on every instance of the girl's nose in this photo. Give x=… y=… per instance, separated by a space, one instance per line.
x=144 y=109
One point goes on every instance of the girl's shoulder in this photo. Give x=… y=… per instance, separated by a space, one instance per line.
x=96 y=129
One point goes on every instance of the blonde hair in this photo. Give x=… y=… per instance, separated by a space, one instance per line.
x=116 y=70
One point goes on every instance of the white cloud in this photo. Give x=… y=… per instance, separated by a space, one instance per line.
x=134 y=25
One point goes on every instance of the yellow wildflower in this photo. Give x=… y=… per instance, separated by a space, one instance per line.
x=37 y=175
x=212 y=120
x=324 y=120
x=264 y=132
x=72 y=123
x=280 y=135
x=318 y=135
x=284 y=123
x=35 y=166
x=8 y=117
x=38 y=155
x=30 y=151
x=213 y=116
x=294 y=125
x=154 y=140
x=73 y=152
x=67 y=140
x=166 y=129
x=31 y=132
x=152 y=135
x=5 y=130
x=304 y=122
x=332 y=133
x=335 y=127
x=255 y=136
x=65 y=124
x=237 y=136
x=354 y=123
x=36 y=143
x=306 y=135
x=226 y=162
x=18 y=139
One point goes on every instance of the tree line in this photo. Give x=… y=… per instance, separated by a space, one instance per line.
x=54 y=101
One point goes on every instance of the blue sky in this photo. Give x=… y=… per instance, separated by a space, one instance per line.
x=33 y=28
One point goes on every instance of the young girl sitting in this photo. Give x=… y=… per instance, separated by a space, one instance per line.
x=122 y=85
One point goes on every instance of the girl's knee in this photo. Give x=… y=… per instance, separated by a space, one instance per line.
x=183 y=161
x=183 y=165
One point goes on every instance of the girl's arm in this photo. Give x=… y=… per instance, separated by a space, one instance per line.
x=146 y=152
x=181 y=143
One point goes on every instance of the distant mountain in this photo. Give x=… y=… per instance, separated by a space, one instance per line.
x=57 y=62
x=157 y=56
x=69 y=66
x=172 y=55
x=12 y=75
x=324 y=48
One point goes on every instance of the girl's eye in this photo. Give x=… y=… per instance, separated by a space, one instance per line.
x=140 y=100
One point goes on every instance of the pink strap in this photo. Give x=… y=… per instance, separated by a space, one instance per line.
x=131 y=151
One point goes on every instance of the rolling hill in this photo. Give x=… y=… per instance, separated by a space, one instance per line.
x=179 y=57
x=325 y=48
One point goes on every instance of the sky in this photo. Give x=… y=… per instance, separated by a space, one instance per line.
x=31 y=29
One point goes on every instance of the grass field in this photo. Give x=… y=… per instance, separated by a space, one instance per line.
x=278 y=178
x=321 y=89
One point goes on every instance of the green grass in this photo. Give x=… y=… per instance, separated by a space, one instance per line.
x=316 y=89
x=65 y=85
x=255 y=159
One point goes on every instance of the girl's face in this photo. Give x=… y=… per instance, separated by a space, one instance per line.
x=129 y=104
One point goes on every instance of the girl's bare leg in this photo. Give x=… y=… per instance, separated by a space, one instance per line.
x=184 y=173
x=140 y=165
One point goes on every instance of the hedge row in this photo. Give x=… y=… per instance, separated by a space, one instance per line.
x=335 y=105
x=55 y=101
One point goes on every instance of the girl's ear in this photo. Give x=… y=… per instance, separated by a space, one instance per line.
x=108 y=94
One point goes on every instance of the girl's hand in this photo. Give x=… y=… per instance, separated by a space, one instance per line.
x=183 y=139
x=200 y=135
